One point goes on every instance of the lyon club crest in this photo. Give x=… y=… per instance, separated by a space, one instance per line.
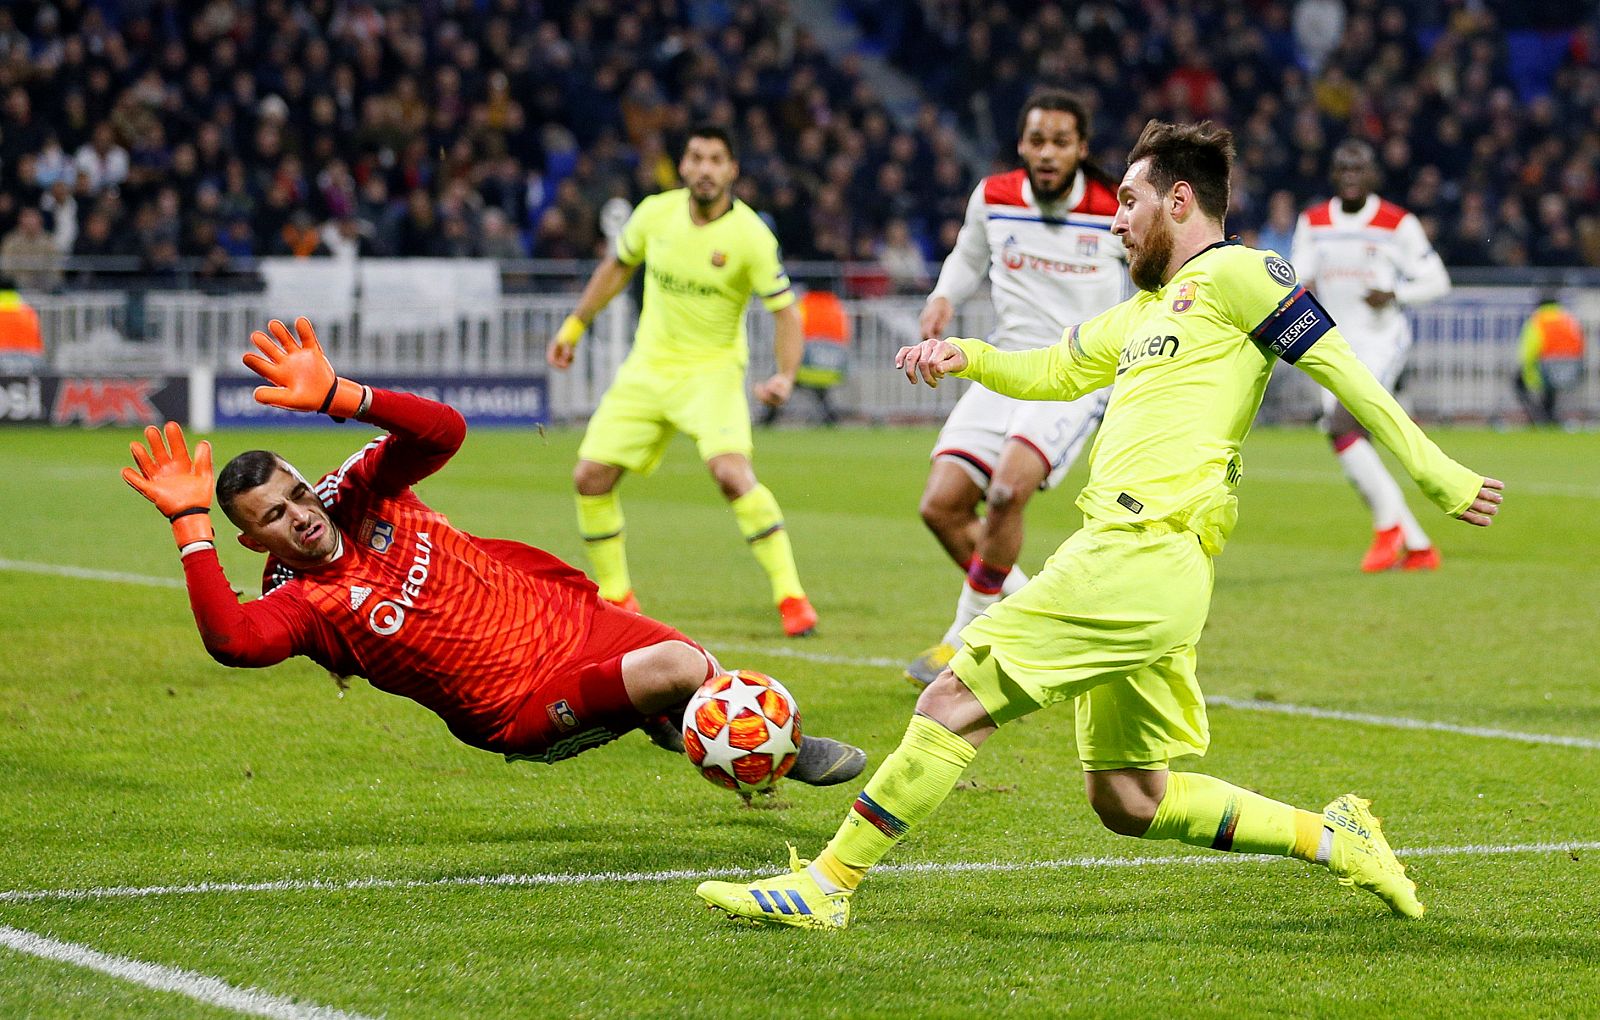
x=1183 y=300
x=1010 y=254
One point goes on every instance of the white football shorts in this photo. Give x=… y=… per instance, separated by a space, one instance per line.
x=1057 y=430
x=1384 y=360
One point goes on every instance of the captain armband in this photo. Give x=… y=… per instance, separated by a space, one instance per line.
x=1294 y=326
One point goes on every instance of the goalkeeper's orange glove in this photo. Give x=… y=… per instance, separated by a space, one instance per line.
x=178 y=486
x=302 y=379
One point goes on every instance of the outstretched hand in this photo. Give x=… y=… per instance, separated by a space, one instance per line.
x=170 y=478
x=301 y=377
x=179 y=485
x=932 y=360
x=1483 y=509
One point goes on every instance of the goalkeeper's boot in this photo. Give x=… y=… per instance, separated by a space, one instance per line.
x=823 y=761
x=926 y=667
x=799 y=619
x=1421 y=559
x=629 y=602
x=794 y=899
x=1385 y=551
x=1359 y=856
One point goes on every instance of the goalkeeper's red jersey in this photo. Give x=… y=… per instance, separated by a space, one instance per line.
x=467 y=626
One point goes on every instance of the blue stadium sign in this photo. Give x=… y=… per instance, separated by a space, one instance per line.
x=483 y=400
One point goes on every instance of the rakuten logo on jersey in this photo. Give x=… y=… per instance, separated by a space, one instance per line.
x=388 y=616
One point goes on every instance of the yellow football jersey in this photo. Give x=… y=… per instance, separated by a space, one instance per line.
x=1189 y=364
x=698 y=279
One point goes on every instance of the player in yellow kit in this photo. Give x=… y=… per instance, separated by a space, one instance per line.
x=705 y=253
x=1112 y=620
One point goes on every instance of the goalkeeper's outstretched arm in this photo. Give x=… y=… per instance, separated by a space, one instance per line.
x=179 y=485
x=424 y=434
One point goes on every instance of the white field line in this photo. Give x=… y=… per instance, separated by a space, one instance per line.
x=579 y=878
x=873 y=661
x=209 y=990
x=880 y=662
x=86 y=574
x=1400 y=722
x=1244 y=704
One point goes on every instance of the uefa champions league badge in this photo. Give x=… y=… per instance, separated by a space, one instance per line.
x=1280 y=270
x=1183 y=300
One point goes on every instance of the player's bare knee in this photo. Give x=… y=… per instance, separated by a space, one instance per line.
x=941 y=516
x=948 y=702
x=663 y=674
x=682 y=665
x=591 y=479
x=1124 y=812
x=733 y=476
x=1004 y=499
x=732 y=488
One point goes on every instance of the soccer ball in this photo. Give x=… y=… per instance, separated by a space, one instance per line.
x=742 y=730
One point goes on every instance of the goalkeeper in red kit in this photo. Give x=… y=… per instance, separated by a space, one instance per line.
x=510 y=646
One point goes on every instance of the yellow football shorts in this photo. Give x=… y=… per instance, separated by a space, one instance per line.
x=646 y=406
x=1111 y=623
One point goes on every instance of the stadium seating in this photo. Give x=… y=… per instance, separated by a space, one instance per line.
x=186 y=138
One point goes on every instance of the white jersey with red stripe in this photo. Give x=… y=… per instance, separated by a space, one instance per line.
x=1049 y=265
x=1342 y=256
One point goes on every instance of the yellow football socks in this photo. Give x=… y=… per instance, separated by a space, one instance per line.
x=761 y=523
x=906 y=789
x=1204 y=811
x=600 y=524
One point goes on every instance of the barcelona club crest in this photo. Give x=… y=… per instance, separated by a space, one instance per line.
x=718 y=259
x=1183 y=300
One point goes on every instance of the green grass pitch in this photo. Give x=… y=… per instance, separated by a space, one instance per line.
x=129 y=759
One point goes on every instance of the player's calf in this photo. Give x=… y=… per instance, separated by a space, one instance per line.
x=1125 y=800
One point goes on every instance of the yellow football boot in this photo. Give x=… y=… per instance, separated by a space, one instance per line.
x=1359 y=856
x=926 y=667
x=794 y=899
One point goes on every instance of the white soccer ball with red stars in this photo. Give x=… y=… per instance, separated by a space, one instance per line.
x=742 y=730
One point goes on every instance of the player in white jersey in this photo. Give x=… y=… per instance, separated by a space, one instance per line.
x=1367 y=260
x=1042 y=235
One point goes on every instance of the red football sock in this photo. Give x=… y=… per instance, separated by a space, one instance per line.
x=985 y=578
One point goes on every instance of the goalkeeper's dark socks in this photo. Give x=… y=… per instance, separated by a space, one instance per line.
x=823 y=761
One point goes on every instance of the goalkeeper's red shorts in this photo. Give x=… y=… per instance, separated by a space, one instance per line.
x=584 y=704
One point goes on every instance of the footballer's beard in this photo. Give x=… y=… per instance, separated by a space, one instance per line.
x=324 y=545
x=1064 y=178
x=1147 y=261
x=707 y=194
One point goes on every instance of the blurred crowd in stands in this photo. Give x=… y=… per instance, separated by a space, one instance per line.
x=151 y=134
x=1486 y=115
